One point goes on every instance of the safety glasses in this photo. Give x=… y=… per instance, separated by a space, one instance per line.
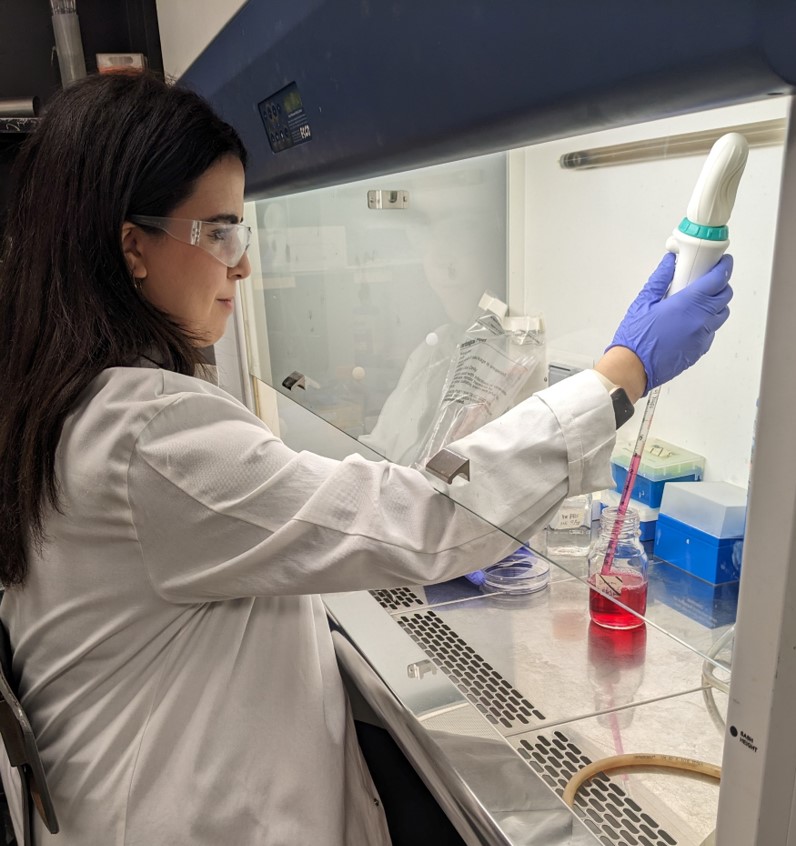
x=226 y=242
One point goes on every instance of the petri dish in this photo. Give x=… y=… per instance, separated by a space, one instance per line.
x=518 y=574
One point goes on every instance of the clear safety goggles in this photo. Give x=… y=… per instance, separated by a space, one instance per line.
x=226 y=242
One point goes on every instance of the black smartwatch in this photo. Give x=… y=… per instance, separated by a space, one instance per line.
x=623 y=408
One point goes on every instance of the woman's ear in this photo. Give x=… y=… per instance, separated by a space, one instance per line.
x=132 y=247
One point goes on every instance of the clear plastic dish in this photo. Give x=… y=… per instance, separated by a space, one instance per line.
x=518 y=574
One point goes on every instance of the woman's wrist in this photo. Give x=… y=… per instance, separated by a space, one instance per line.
x=624 y=368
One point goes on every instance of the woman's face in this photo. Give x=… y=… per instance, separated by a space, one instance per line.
x=194 y=288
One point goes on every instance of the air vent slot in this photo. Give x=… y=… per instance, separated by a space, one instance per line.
x=397 y=599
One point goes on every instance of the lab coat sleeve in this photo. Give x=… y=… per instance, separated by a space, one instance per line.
x=221 y=508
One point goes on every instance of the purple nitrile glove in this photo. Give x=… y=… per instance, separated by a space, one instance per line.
x=477 y=578
x=669 y=335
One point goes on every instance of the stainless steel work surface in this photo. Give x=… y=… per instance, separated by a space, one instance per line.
x=537 y=660
x=485 y=675
x=669 y=588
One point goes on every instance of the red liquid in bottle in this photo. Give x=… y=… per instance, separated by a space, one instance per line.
x=633 y=594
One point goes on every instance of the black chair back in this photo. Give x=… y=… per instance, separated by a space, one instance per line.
x=20 y=744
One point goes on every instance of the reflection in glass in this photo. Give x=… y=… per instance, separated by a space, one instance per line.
x=370 y=304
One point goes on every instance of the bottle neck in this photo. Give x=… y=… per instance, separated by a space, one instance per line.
x=628 y=523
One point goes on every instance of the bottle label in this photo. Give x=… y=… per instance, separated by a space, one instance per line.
x=609 y=585
x=569 y=518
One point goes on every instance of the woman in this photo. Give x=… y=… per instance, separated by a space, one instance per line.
x=162 y=550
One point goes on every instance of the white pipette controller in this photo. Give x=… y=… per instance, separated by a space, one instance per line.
x=702 y=237
x=699 y=242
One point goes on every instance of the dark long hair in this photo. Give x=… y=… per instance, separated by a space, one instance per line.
x=108 y=147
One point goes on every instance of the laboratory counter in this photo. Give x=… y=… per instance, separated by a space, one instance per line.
x=498 y=700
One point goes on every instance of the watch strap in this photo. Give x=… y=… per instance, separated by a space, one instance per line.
x=623 y=408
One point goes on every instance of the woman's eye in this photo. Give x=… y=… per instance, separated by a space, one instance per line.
x=220 y=234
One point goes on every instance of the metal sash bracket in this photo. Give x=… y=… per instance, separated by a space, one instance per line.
x=388 y=200
x=418 y=669
x=447 y=465
x=295 y=379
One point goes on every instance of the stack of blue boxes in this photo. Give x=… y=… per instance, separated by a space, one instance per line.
x=697 y=528
x=700 y=531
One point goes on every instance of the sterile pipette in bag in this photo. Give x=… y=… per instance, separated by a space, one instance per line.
x=698 y=242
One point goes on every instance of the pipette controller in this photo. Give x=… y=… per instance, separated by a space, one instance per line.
x=702 y=237
x=698 y=242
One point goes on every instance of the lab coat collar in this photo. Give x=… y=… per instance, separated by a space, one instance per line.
x=205 y=372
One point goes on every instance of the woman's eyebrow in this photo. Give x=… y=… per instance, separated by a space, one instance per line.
x=223 y=218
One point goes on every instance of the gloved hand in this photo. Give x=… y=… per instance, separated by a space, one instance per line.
x=521 y=558
x=672 y=334
x=477 y=578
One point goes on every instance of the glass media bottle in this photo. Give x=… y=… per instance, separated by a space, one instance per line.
x=622 y=580
x=568 y=533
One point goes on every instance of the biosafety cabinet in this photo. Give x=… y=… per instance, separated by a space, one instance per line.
x=408 y=158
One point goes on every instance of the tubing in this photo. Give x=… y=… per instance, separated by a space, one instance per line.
x=636 y=760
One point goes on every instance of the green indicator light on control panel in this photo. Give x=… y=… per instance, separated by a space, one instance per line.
x=292 y=101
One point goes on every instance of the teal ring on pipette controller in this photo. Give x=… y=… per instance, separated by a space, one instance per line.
x=705 y=233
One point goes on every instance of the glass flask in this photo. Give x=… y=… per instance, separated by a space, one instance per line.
x=622 y=580
x=568 y=534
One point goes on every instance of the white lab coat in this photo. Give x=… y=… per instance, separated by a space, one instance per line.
x=173 y=654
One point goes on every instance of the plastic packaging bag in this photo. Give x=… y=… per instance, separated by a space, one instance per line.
x=494 y=359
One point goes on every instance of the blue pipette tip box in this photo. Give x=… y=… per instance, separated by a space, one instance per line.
x=644 y=490
x=661 y=463
x=700 y=529
x=718 y=508
x=715 y=560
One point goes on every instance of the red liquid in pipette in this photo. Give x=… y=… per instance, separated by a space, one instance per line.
x=606 y=612
x=632 y=472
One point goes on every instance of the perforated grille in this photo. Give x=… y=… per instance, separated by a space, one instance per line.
x=607 y=811
x=396 y=599
x=494 y=697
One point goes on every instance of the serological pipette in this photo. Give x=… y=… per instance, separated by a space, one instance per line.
x=698 y=242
